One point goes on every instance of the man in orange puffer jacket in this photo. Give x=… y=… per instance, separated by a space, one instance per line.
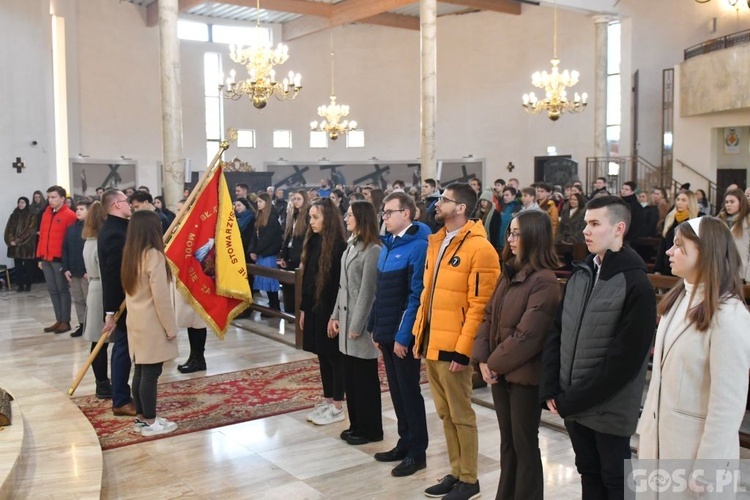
x=56 y=219
x=460 y=274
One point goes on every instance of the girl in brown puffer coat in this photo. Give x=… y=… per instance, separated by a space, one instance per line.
x=509 y=344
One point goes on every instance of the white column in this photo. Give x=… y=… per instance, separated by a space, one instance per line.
x=600 y=86
x=428 y=27
x=171 y=103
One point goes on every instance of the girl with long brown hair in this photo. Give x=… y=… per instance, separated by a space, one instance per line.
x=321 y=262
x=509 y=345
x=698 y=390
x=736 y=215
x=152 y=328
x=294 y=238
x=265 y=243
x=359 y=273
x=94 y=304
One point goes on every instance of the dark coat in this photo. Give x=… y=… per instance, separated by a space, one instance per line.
x=318 y=312
x=517 y=320
x=21 y=228
x=266 y=241
x=291 y=250
x=637 y=228
x=110 y=244
x=570 y=229
x=594 y=363
x=72 y=255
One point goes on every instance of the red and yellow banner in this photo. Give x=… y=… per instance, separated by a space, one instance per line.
x=207 y=257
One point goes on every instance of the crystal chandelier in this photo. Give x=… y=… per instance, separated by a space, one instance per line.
x=259 y=60
x=555 y=101
x=333 y=113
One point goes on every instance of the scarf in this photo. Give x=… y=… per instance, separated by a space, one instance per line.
x=681 y=216
x=243 y=219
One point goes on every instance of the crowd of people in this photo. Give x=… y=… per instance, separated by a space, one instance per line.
x=462 y=277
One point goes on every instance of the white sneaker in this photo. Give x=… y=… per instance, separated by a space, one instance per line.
x=318 y=410
x=329 y=416
x=160 y=426
x=138 y=424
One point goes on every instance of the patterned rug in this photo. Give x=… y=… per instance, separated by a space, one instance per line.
x=205 y=403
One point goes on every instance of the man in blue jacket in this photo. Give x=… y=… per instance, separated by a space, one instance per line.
x=400 y=269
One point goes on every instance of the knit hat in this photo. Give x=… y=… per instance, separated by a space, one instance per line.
x=245 y=202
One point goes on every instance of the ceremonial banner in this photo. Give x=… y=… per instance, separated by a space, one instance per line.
x=207 y=257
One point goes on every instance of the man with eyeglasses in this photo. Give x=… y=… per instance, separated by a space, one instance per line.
x=460 y=274
x=399 y=286
x=110 y=244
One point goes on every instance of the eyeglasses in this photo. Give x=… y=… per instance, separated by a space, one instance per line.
x=348 y=214
x=117 y=202
x=514 y=235
x=445 y=199
x=387 y=214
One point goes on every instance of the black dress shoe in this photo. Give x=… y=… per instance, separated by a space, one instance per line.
x=78 y=332
x=346 y=434
x=357 y=440
x=408 y=467
x=193 y=366
x=394 y=455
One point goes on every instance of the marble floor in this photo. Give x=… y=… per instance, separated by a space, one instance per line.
x=276 y=457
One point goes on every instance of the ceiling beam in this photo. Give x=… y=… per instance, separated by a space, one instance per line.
x=303 y=26
x=393 y=21
x=351 y=11
x=502 y=6
x=306 y=8
x=348 y=11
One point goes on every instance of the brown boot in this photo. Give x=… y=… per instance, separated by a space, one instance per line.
x=53 y=327
x=63 y=327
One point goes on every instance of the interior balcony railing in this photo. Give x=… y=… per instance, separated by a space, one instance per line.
x=620 y=169
x=704 y=183
x=724 y=42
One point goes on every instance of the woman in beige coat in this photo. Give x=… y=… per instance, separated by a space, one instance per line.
x=696 y=398
x=152 y=327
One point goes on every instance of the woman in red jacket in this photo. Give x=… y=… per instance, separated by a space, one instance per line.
x=509 y=346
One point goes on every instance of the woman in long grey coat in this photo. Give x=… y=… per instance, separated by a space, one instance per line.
x=359 y=270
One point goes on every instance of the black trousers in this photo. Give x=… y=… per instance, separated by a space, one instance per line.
x=145 y=378
x=518 y=414
x=24 y=271
x=287 y=292
x=99 y=364
x=332 y=374
x=362 y=386
x=600 y=460
x=408 y=403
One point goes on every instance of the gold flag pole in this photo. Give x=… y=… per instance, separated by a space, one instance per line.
x=173 y=227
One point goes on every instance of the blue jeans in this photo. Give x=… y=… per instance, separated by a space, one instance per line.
x=120 y=369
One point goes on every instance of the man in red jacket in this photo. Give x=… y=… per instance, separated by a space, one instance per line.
x=56 y=219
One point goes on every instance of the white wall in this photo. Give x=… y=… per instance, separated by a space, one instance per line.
x=25 y=102
x=660 y=31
